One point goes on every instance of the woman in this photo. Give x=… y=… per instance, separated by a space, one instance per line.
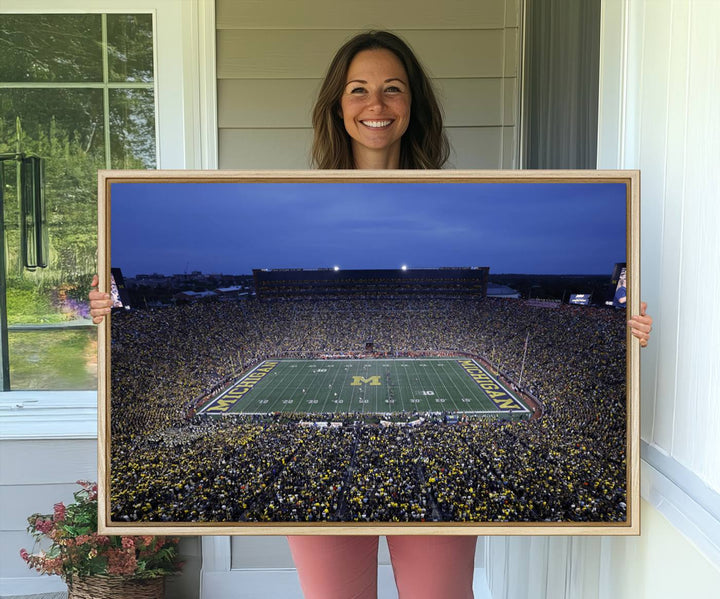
x=376 y=75
x=377 y=110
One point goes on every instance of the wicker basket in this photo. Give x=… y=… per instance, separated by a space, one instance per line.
x=116 y=587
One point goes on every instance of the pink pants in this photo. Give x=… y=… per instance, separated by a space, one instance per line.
x=345 y=567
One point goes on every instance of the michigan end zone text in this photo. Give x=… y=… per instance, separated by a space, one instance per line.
x=226 y=401
x=501 y=398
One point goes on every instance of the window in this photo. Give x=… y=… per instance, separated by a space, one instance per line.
x=78 y=90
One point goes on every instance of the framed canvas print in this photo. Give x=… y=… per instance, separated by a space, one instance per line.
x=369 y=352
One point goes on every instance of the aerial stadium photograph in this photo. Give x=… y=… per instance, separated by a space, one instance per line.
x=366 y=353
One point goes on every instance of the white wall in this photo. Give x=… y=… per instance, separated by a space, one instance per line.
x=660 y=84
x=671 y=131
x=660 y=563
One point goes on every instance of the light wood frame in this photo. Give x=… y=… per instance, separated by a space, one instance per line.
x=630 y=527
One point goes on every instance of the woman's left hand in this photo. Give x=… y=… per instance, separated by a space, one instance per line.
x=641 y=325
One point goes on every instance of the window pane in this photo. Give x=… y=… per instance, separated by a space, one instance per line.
x=130 y=47
x=132 y=128
x=65 y=127
x=38 y=48
x=49 y=117
x=57 y=359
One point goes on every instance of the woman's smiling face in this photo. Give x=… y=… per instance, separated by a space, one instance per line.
x=375 y=106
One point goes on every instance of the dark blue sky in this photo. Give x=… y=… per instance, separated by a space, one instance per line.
x=563 y=228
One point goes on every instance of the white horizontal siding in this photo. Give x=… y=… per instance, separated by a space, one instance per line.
x=47 y=462
x=471 y=148
x=331 y=14
x=477 y=148
x=34 y=476
x=288 y=103
x=19 y=501
x=271 y=59
x=264 y=148
x=253 y=54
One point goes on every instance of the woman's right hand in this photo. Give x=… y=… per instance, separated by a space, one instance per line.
x=100 y=302
x=641 y=325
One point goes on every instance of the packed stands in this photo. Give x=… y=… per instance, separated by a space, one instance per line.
x=171 y=464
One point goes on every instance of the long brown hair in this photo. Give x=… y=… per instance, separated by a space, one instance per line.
x=424 y=144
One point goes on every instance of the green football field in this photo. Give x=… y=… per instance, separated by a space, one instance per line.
x=367 y=386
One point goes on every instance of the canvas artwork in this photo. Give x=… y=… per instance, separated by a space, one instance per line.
x=324 y=353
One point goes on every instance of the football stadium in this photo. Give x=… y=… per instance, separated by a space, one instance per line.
x=367 y=397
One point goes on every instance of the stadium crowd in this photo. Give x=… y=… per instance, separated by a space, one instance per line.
x=169 y=463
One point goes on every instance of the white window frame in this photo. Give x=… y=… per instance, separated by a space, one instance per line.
x=186 y=136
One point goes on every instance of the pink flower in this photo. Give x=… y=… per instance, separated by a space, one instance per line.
x=44 y=526
x=90 y=489
x=24 y=555
x=128 y=543
x=121 y=562
x=53 y=565
x=59 y=515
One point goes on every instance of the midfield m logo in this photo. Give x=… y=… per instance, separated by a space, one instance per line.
x=360 y=380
